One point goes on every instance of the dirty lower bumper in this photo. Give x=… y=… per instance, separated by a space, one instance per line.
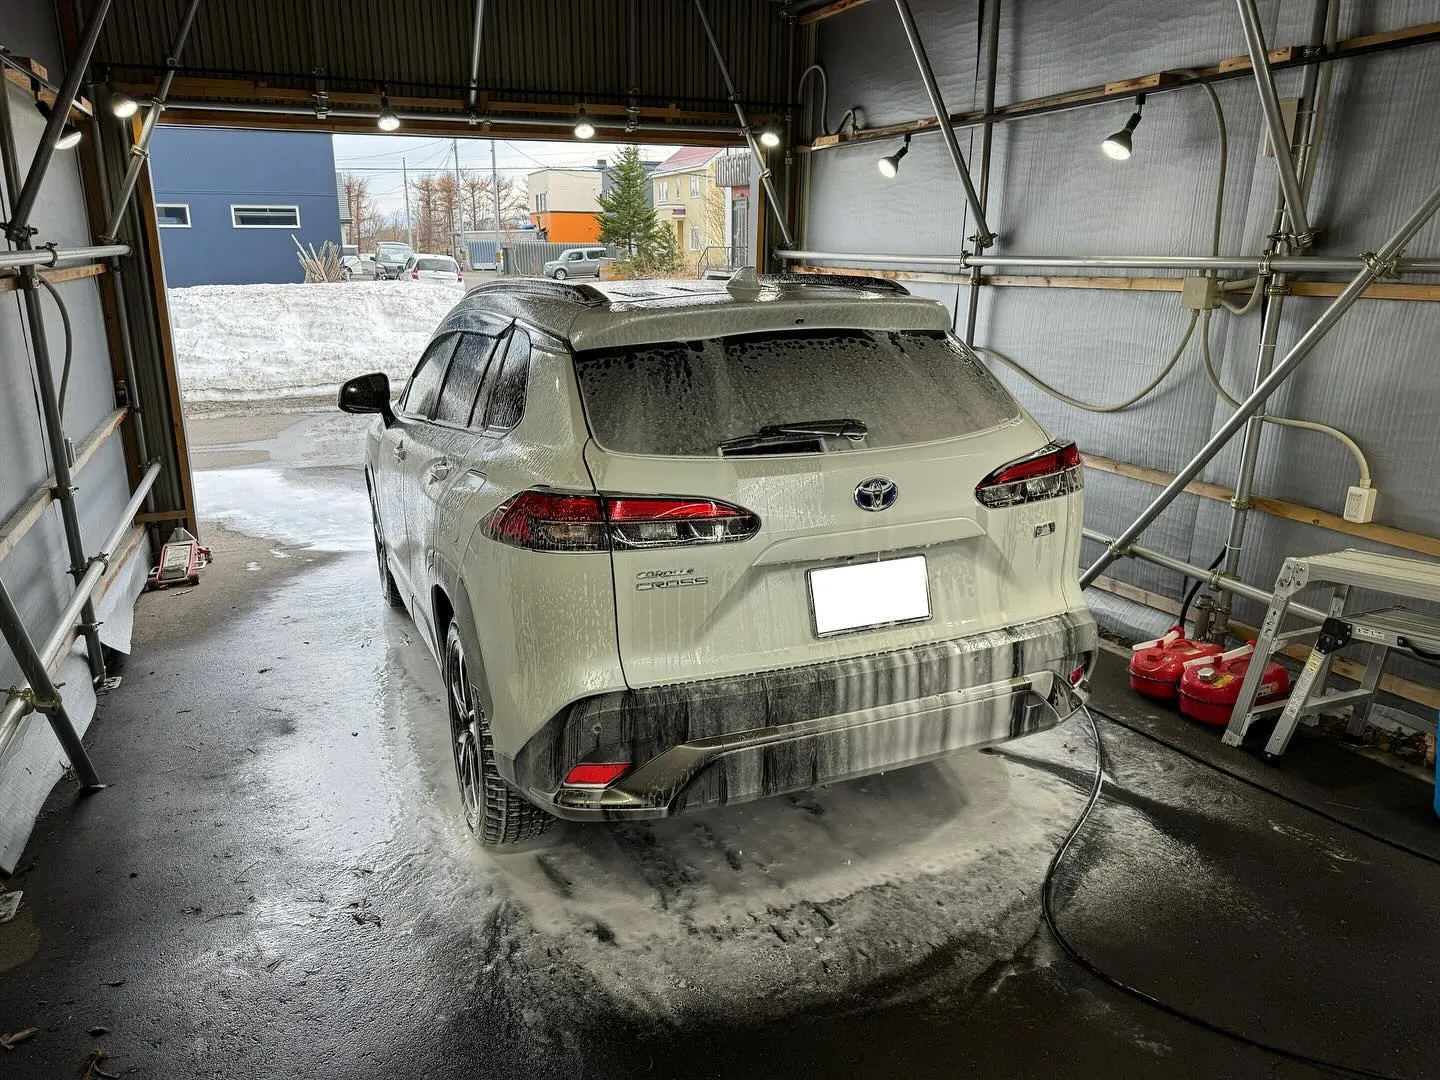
x=730 y=740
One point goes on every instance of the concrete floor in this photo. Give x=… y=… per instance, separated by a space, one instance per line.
x=278 y=883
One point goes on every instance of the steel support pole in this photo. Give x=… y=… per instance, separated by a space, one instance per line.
x=987 y=135
x=18 y=227
x=983 y=237
x=47 y=257
x=140 y=152
x=1378 y=263
x=776 y=207
x=477 y=28
x=1262 y=264
x=1275 y=123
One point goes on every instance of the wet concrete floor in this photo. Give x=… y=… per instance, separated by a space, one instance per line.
x=278 y=883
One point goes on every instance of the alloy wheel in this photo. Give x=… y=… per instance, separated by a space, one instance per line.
x=465 y=720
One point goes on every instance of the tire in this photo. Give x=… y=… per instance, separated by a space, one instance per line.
x=388 y=589
x=560 y=274
x=495 y=815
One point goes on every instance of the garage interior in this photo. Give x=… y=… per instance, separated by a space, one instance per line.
x=229 y=808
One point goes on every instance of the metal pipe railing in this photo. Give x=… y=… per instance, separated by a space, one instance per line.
x=776 y=206
x=48 y=256
x=1275 y=123
x=18 y=227
x=140 y=152
x=987 y=138
x=1376 y=264
x=49 y=654
x=1255 y=264
x=983 y=237
x=477 y=30
x=1216 y=579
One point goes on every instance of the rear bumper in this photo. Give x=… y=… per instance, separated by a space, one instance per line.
x=731 y=740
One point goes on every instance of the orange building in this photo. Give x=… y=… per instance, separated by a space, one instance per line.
x=565 y=204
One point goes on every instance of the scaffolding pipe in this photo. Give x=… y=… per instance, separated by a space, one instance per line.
x=50 y=653
x=1216 y=579
x=1377 y=263
x=477 y=28
x=983 y=237
x=987 y=136
x=140 y=152
x=776 y=207
x=1275 y=123
x=48 y=256
x=18 y=227
x=1255 y=264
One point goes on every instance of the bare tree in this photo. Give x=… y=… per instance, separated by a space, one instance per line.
x=478 y=198
x=364 y=215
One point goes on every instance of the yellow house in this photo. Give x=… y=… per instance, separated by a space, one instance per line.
x=698 y=209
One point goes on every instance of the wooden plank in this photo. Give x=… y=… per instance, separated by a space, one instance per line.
x=11 y=282
x=1387 y=37
x=1383 y=291
x=1142 y=83
x=1381 y=534
x=82 y=108
x=837 y=7
x=1349 y=669
x=106 y=428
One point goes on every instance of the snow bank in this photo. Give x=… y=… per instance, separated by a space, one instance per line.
x=235 y=342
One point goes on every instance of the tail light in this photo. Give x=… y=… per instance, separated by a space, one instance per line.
x=460 y=277
x=558 y=521
x=415 y=274
x=1053 y=470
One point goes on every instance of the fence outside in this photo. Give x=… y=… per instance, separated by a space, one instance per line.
x=525 y=258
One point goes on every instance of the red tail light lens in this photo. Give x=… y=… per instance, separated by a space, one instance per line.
x=556 y=521
x=1053 y=470
x=596 y=773
x=459 y=277
x=414 y=275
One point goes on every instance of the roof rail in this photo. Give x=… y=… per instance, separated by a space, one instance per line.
x=836 y=281
x=548 y=289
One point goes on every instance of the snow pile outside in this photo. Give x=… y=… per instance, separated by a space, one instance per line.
x=238 y=342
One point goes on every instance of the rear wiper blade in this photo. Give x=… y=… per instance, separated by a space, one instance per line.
x=851 y=429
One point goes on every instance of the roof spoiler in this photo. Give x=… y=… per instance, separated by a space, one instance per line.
x=746 y=283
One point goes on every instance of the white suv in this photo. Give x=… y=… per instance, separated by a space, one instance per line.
x=682 y=544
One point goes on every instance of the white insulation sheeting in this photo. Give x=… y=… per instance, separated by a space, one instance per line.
x=1053 y=191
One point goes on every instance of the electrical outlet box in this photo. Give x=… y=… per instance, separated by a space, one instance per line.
x=1360 y=504
x=1200 y=292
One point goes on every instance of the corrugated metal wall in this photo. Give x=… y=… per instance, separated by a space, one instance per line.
x=533 y=50
x=1052 y=191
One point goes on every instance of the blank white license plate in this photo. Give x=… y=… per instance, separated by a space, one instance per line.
x=864 y=595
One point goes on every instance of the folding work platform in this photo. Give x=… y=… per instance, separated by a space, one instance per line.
x=1386 y=629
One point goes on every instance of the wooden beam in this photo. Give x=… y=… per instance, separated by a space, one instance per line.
x=81 y=109
x=1383 y=291
x=1231 y=67
x=1306 y=515
x=836 y=7
x=1348 y=669
x=11 y=282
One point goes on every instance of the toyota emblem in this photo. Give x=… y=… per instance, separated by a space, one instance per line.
x=876 y=493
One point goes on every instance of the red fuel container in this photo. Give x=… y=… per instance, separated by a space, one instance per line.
x=1156 y=666
x=1210 y=686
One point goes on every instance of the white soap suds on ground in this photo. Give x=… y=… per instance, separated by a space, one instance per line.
x=239 y=342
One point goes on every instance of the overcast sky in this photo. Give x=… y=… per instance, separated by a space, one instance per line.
x=378 y=158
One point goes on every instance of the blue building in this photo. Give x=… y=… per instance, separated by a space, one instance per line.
x=229 y=201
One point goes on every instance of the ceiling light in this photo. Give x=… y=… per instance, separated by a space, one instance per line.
x=69 y=134
x=889 y=166
x=584 y=129
x=1117 y=146
x=769 y=138
x=124 y=106
x=387 y=120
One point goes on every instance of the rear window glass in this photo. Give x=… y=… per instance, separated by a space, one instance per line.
x=437 y=264
x=688 y=397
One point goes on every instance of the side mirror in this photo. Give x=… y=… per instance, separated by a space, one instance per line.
x=367 y=394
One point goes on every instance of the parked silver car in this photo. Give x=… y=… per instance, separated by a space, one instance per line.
x=577 y=262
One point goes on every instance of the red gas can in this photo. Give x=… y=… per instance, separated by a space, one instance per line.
x=1210 y=686
x=1156 y=666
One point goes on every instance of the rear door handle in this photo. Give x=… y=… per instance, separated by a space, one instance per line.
x=440 y=470
x=400 y=451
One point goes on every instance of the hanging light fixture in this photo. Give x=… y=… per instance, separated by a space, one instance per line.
x=889 y=166
x=387 y=120
x=769 y=137
x=124 y=106
x=1117 y=146
x=584 y=129
x=69 y=134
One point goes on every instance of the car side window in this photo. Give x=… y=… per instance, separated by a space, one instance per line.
x=462 y=381
x=504 y=399
x=424 y=388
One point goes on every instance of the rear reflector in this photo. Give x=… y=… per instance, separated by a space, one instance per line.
x=596 y=773
x=1053 y=470
x=557 y=521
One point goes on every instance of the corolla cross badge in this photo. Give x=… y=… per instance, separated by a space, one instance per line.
x=876 y=493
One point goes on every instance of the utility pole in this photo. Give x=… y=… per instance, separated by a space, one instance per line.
x=409 y=228
x=495 y=194
x=459 y=221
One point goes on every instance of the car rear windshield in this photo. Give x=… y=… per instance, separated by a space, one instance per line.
x=689 y=397
x=437 y=264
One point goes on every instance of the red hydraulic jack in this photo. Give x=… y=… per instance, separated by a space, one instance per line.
x=181 y=559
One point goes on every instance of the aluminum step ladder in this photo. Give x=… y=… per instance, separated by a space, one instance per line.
x=1386 y=629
